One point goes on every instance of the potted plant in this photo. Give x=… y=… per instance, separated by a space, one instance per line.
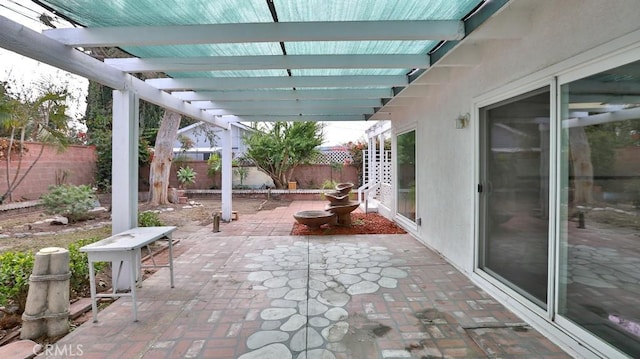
x=186 y=176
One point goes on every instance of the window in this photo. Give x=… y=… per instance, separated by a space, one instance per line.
x=406 y=171
x=599 y=274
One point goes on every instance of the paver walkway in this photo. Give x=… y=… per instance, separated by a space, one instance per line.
x=253 y=291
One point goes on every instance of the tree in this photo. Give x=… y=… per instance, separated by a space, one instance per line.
x=162 y=157
x=30 y=117
x=279 y=148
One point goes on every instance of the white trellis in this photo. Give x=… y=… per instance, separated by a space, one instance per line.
x=333 y=156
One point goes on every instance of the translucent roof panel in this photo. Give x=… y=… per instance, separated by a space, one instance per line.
x=244 y=49
x=358 y=47
x=364 y=10
x=347 y=72
x=243 y=73
x=182 y=53
x=92 y=13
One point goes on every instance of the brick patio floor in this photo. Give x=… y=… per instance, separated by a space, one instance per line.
x=254 y=291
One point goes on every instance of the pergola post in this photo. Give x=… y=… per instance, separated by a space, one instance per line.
x=124 y=161
x=124 y=172
x=372 y=160
x=227 y=175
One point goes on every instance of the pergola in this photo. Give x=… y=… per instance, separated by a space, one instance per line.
x=251 y=60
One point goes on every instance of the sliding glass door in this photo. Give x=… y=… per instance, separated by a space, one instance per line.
x=407 y=175
x=514 y=193
x=599 y=278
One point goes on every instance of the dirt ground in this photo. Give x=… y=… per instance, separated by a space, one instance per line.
x=34 y=230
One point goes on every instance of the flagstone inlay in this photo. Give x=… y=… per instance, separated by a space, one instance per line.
x=310 y=285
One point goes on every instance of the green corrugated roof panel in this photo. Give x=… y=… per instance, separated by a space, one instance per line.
x=93 y=13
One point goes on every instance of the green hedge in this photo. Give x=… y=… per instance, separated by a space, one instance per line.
x=16 y=267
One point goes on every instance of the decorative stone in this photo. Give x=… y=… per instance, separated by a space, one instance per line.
x=277 y=292
x=317 y=285
x=316 y=354
x=393 y=273
x=278 y=350
x=276 y=282
x=319 y=322
x=260 y=339
x=335 y=332
x=283 y=303
x=336 y=314
x=259 y=276
x=388 y=282
x=298 y=283
x=306 y=338
x=271 y=325
x=296 y=294
x=363 y=287
x=294 y=323
x=370 y=277
x=333 y=298
x=348 y=279
x=312 y=307
x=276 y=313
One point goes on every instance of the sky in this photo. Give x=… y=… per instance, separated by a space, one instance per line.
x=27 y=73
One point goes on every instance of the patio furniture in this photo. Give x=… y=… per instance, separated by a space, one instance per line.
x=125 y=247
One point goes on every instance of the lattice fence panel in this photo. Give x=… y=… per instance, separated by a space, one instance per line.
x=386 y=168
x=329 y=157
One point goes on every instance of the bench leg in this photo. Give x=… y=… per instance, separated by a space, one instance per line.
x=92 y=284
x=132 y=270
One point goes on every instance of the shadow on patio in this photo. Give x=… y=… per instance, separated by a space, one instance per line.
x=254 y=291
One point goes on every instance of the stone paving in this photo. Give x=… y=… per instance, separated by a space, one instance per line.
x=266 y=294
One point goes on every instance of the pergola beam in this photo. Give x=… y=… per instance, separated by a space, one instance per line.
x=238 y=83
x=282 y=95
x=271 y=118
x=330 y=111
x=26 y=42
x=436 y=30
x=226 y=63
x=291 y=104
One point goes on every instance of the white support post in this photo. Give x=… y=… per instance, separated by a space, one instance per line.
x=227 y=175
x=372 y=162
x=124 y=172
x=380 y=159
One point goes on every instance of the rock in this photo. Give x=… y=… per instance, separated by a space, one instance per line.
x=60 y=221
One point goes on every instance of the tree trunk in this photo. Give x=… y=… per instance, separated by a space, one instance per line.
x=580 y=155
x=162 y=156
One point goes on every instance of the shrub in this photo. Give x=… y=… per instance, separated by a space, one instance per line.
x=79 y=265
x=328 y=184
x=186 y=176
x=73 y=202
x=149 y=219
x=15 y=269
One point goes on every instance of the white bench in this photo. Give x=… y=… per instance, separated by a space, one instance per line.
x=125 y=247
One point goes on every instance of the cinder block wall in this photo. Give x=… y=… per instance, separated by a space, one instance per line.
x=306 y=176
x=77 y=162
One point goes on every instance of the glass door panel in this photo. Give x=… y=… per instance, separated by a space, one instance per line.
x=599 y=280
x=407 y=175
x=514 y=198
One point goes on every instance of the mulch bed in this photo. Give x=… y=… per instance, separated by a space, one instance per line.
x=371 y=223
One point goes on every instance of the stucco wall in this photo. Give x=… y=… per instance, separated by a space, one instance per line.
x=553 y=31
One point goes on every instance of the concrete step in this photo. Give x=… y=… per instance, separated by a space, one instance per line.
x=372 y=207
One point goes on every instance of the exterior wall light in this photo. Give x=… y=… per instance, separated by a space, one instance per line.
x=462 y=121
